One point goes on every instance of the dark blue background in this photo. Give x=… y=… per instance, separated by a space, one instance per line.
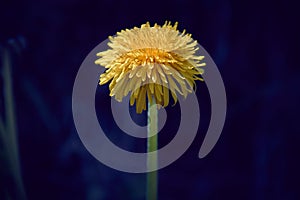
x=255 y=44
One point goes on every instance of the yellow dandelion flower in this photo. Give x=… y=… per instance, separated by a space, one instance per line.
x=151 y=62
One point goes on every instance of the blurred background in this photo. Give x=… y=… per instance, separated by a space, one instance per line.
x=255 y=45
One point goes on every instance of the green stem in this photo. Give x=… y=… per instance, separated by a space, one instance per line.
x=152 y=147
x=10 y=137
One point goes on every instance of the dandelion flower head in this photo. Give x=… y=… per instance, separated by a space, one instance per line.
x=151 y=62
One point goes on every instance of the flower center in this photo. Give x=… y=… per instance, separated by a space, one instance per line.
x=147 y=56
